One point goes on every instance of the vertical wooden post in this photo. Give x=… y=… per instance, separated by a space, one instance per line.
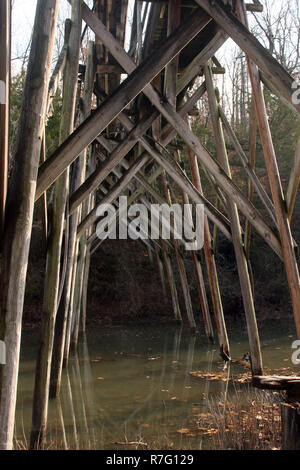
x=294 y=182
x=20 y=204
x=171 y=70
x=288 y=252
x=44 y=197
x=4 y=103
x=170 y=275
x=43 y=364
x=198 y=272
x=252 y=158
x=290 y=422
x=181 y=267
x=161 y=272
x=242 y=265
x=211 y=268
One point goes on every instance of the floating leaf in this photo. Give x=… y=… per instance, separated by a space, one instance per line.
x=183 y=431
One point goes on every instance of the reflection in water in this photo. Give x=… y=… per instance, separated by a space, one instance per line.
x=133 y=385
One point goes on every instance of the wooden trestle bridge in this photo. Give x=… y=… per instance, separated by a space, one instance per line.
x=128 y=106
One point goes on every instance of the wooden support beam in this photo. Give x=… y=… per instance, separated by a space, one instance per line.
x=238 y=31
x=118 y=188
x=180 y=263
x=63 y=321
x=114 y=159
x=251 y=174
x=183 y=130
x=275 y=184
x=43 y=364
x=198 y=271
x=277 y=382
x=60 y=64
x=4 y=104
x=160 y=266
x=252 y=160
x=211 y=268
x=171 y=70
x=196 y=66
x=174 y=172
x=107 y=68
x=241 y=260
x=23 y=178
x=127 y=91
x=294 y=182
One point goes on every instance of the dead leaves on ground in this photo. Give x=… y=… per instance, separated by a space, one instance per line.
x=222 y=376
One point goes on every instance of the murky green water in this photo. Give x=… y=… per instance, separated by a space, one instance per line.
x=134 y=384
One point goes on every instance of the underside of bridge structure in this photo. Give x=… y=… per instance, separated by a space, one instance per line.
x=126 y=114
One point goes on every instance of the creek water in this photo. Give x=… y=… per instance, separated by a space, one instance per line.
x=134 y=384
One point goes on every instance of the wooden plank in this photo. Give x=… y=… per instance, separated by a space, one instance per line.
x=235 y=28
x=127 y=91
x=276 y=382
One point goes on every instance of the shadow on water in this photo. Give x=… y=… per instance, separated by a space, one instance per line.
x=129 y=387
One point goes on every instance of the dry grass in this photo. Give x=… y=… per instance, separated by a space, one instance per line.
x=248 y=421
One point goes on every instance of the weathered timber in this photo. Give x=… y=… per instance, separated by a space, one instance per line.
x=277 y=382
x=4 y=104
x=160 y=266
x=211 y=267
x=43 y=364
x=171 y=70
x=239 y=32
x=183 y=130
x=64 y=310
x=242 y=265
x=251 y=174
x=252 y=160
x=101 y=173
x=288 y=252
x=180 y=263
x=290 y=424
x=114 y=193
x=198 y=271
x=117 y=101
x=82 y=248
x=196 y=66
x=20 y=204
x=294 y=182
